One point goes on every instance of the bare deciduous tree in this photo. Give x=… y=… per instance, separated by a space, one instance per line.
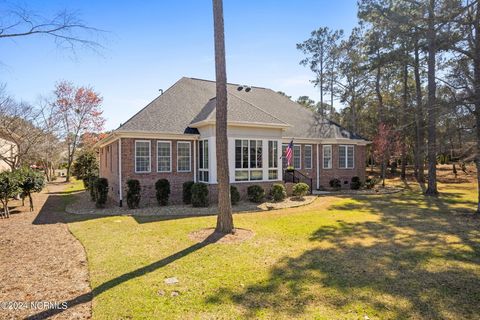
x=66 y=28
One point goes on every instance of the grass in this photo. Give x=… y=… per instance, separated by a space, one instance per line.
x=398 y=256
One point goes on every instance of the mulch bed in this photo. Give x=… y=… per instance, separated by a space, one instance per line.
x=83 y=205
x=208 y=235
x=41 y=260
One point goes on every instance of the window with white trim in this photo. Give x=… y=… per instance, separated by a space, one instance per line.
x=164 y=156
x=203 y=160
x=327 y=156
x=183 y=156
x=248 y=160
x=142 y=156
x=284 y=159
x=272 y=160
x=297 y=157
x=308 y=156
x=345 y=156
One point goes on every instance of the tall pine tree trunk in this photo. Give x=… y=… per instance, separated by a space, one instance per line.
x=419 y=121
x=476 y=70
x=432 y=103
x=404 y=119
x=224 y=219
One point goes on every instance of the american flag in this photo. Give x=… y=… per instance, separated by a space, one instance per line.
x=289 y=153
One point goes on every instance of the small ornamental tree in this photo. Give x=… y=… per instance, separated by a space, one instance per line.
x=133 y=193
x=162 y=186
x=30 y=181
x=385 y=145
x=86 y=166
x=9 y=187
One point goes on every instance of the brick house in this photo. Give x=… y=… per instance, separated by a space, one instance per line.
x=173 y=137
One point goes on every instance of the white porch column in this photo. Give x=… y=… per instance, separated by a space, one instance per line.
x=212 y=160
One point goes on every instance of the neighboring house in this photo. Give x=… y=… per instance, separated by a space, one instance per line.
x=173 y=137
x=8 y=150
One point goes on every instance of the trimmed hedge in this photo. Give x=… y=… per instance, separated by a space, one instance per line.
x=187 y=192
x=278 y=192
x=300 y=189
x=370 y=183
x=133 y=193
x=92 y=182
x=255 y=193
x=335 y=184
x=200 y=195
x=234 y=195
x=162 y=187
x=101 y=186
x=355 y=184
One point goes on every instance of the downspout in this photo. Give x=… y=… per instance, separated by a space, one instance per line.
x=120 y=189
x=318 y=167
x=194 y=160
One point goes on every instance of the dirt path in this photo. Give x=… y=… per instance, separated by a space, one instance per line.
x=41 y=261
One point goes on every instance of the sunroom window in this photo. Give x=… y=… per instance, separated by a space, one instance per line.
x=248 y=160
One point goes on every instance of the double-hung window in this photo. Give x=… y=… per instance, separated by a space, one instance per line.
x=308 y=156
x=327 y=156
x=183 y=156
x=272 y=160
x=297 y=157
x=248 y=160
x=164 y=156
x=142 y=156
x=345 y=156
x=203 y=160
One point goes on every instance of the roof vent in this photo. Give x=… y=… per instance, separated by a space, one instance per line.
x=242 y=87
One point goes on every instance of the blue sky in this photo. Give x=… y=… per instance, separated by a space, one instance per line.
x=151 y=44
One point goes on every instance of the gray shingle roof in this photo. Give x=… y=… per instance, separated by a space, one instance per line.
x=192 y=100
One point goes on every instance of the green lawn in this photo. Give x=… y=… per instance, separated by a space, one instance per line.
x=385 y=257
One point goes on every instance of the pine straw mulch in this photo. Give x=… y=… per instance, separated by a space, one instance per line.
x=208 y=235
x=83 y=206
x=41 y=260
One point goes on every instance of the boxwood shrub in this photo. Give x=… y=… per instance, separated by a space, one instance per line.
x=335 y=184
x=355 y=183
x=234 y=195
x=162 y=187
x=133 y=193
x=200 y=195
x=278 y=192
x=101 y=186
x=187 y=192
x=300 y=190
x=255 y=193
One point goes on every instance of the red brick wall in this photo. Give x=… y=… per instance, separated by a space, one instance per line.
x=109 y=168
x=343 y=174
x=147 y=180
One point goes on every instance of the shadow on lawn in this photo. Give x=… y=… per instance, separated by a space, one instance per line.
x=417 y=260
x=214 y=237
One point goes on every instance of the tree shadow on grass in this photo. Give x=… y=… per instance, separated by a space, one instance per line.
x=417 y=260
x=214 y=237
